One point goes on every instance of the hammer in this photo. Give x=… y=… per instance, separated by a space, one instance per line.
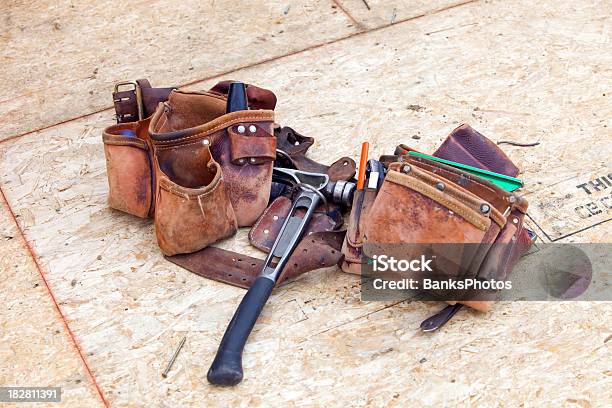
x=226 y=368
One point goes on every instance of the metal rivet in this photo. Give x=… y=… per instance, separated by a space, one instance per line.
x=252 y=160
x=206 y=142
x=406 y=168
x=440 y=186
x=241 y=129
x=515 y=220
x=275 y=217
x=266 y=231
x=252 y=129
x=512 y=199
x=485 y=208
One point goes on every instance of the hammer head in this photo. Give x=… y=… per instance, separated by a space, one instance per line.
x=290 y=176
x=339 y=192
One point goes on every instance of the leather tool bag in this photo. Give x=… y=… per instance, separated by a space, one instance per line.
x=433 y=207
x=201 y=173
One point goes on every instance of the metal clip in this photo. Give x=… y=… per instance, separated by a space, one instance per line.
x=137 y=92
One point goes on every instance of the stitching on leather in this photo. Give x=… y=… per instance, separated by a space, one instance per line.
x=446 y=171
x=431 y=192
x=473 y=179
x=494 y=214
x=184 y=145
x=166 y=184
x=264 y=141
x=260 y=117
x=120 y=140
x=125 y=143
x=176 y=147
x=165 y=120
x=466 y=197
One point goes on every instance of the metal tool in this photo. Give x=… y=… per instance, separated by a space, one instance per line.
x=376 y=174
x=171 y=362
x=438 y=320
x=284 y=180
x=226 y=368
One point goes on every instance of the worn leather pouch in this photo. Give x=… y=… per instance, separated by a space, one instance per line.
x=416 y=206
x=192 y=210
x=129 y=169
x=129 y=148
x=474 y=228
x=242 y=143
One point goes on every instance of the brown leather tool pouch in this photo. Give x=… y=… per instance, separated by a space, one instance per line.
x=418 y=208
x=192 y=212
x=242 y=143
x=129 y=170
x=459 y=219
x=473 y=227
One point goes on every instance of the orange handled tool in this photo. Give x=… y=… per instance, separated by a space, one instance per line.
x=362 y=165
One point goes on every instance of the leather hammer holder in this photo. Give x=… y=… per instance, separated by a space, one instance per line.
x=429 y=205
x=201 y=173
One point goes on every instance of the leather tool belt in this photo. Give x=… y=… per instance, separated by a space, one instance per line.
x=432 y=206
x=201 y=173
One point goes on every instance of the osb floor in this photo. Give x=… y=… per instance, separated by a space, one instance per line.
x=89 y=304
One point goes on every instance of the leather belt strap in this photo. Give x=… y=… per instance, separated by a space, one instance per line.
x=320 y=247
x=140 y=99
x=318 y=250
x=295 y=145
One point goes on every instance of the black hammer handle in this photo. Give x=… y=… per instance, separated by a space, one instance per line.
x=226 y=369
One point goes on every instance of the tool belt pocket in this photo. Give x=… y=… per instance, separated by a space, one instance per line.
x=192 y=211
x=427 y=214
x=252 y=149
x=128 y=165
x=352 y=247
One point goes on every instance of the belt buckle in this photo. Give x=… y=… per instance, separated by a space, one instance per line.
x=136 y=88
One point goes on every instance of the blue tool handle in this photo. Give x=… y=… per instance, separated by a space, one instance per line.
x=127 y=132
x=226 y=368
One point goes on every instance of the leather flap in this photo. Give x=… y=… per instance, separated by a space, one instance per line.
x=466 y=145
x=266 y=229
x=251 y=149
x=259 y=98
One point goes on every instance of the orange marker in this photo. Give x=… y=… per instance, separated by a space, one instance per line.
x=362 y=165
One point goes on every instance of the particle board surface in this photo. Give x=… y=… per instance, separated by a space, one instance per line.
x=35 y=348
x=61 y=61
x=379 y=13
x=511 y=70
